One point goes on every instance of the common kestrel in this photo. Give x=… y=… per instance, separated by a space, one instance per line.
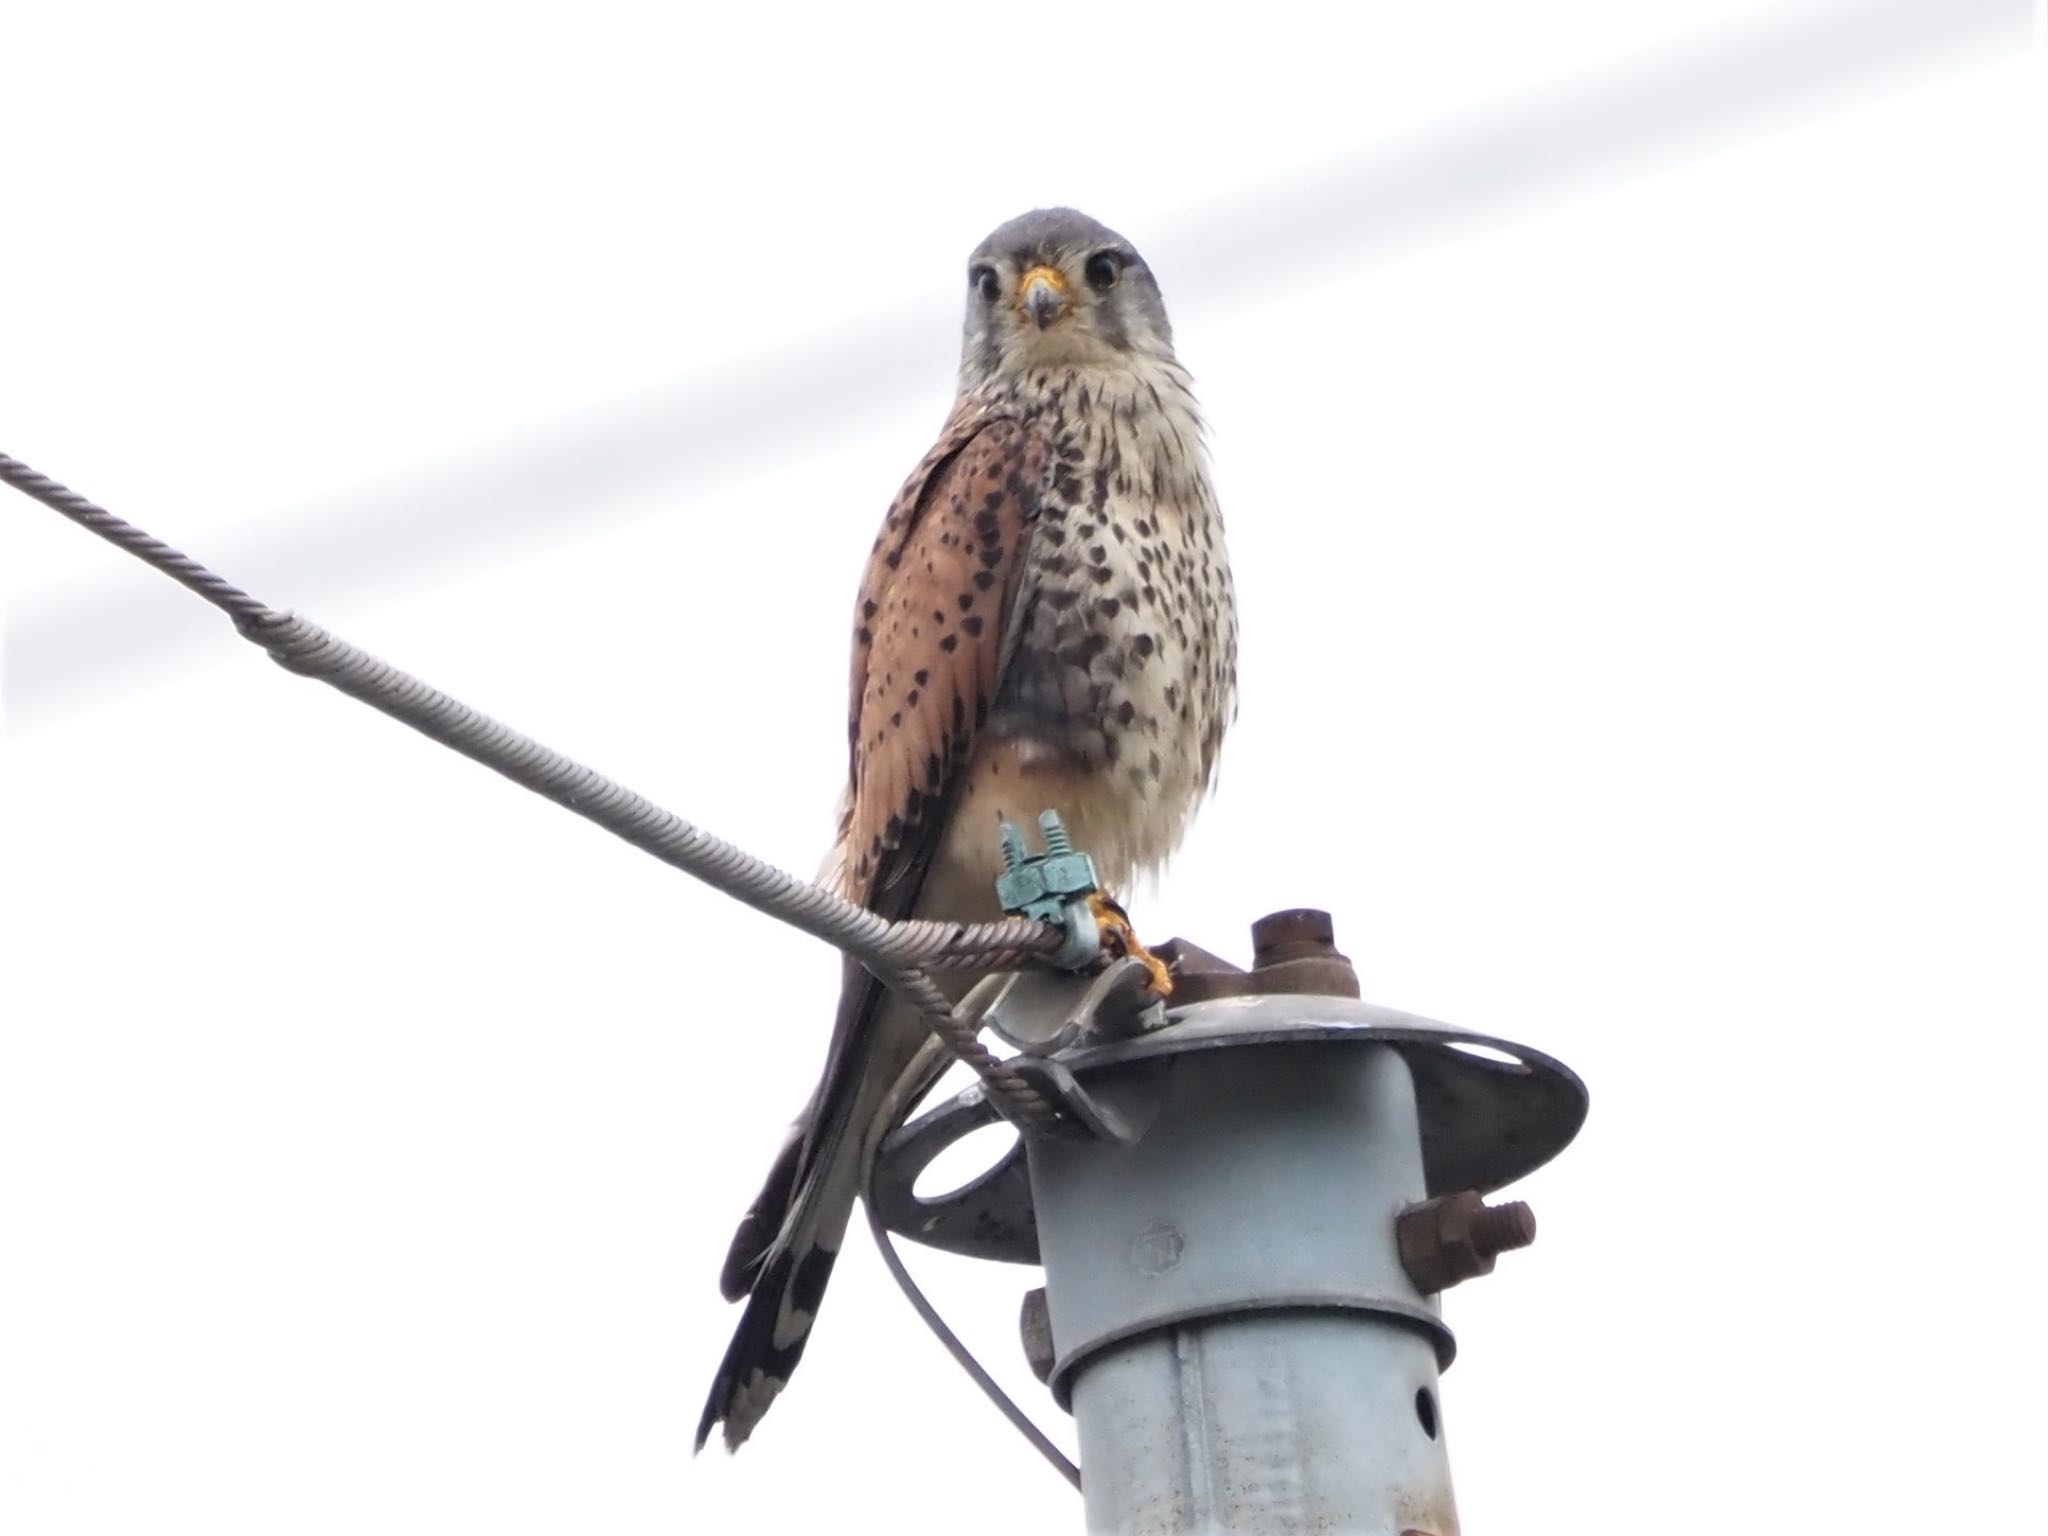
x=1046 y=621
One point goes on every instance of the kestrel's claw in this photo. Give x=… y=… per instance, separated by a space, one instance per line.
x=1119 y=938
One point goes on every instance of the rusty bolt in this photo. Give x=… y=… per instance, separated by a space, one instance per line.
x=1456 y=1237
x=1034 y=1322
x=1296 y=951
x=1300 y=933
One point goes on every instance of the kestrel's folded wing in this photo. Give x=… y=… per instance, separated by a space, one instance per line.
x=937 y=614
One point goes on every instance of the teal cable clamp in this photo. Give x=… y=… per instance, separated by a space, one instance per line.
x=1052 y=887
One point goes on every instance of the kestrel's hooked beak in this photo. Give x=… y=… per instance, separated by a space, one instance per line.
x=1042 y=294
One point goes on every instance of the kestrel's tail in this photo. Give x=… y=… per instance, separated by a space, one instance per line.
x=783 y=1252
x=773 y=1330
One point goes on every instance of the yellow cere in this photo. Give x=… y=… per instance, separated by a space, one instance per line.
x=1051 y=275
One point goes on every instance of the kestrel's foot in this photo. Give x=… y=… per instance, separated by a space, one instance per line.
x=1119 y=938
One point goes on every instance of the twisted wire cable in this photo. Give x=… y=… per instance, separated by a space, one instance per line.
x=899 y=953
x=893 y=1109
x=176 y=564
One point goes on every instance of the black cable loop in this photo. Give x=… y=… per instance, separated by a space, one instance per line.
x=895 y=1107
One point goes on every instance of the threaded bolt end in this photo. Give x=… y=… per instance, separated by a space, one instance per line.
x=1497 y=1228
x=1056 y=840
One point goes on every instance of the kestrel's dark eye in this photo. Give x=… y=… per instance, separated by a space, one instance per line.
x=983 y=281
x=1103 y=269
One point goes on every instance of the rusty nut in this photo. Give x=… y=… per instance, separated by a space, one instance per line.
x=1457 y=1237
x=1034 y=1325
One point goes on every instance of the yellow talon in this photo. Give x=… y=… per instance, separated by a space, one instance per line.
x=1119 y=938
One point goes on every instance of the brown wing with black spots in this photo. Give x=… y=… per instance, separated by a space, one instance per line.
x=932 y=630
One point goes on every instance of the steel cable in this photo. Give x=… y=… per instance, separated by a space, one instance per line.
x=176 y=564
x=898 y=953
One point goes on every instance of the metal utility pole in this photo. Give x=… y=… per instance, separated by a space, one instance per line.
x=1245 y=1227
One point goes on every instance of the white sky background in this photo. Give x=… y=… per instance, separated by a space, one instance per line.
x=1645 y=658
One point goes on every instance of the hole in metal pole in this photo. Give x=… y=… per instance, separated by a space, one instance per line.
x=1425 y=1410
x=966 y=1160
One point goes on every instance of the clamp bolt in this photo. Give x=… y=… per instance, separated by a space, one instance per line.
x=1457 y=1237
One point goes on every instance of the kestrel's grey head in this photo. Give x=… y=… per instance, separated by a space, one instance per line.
x=1053 y=288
